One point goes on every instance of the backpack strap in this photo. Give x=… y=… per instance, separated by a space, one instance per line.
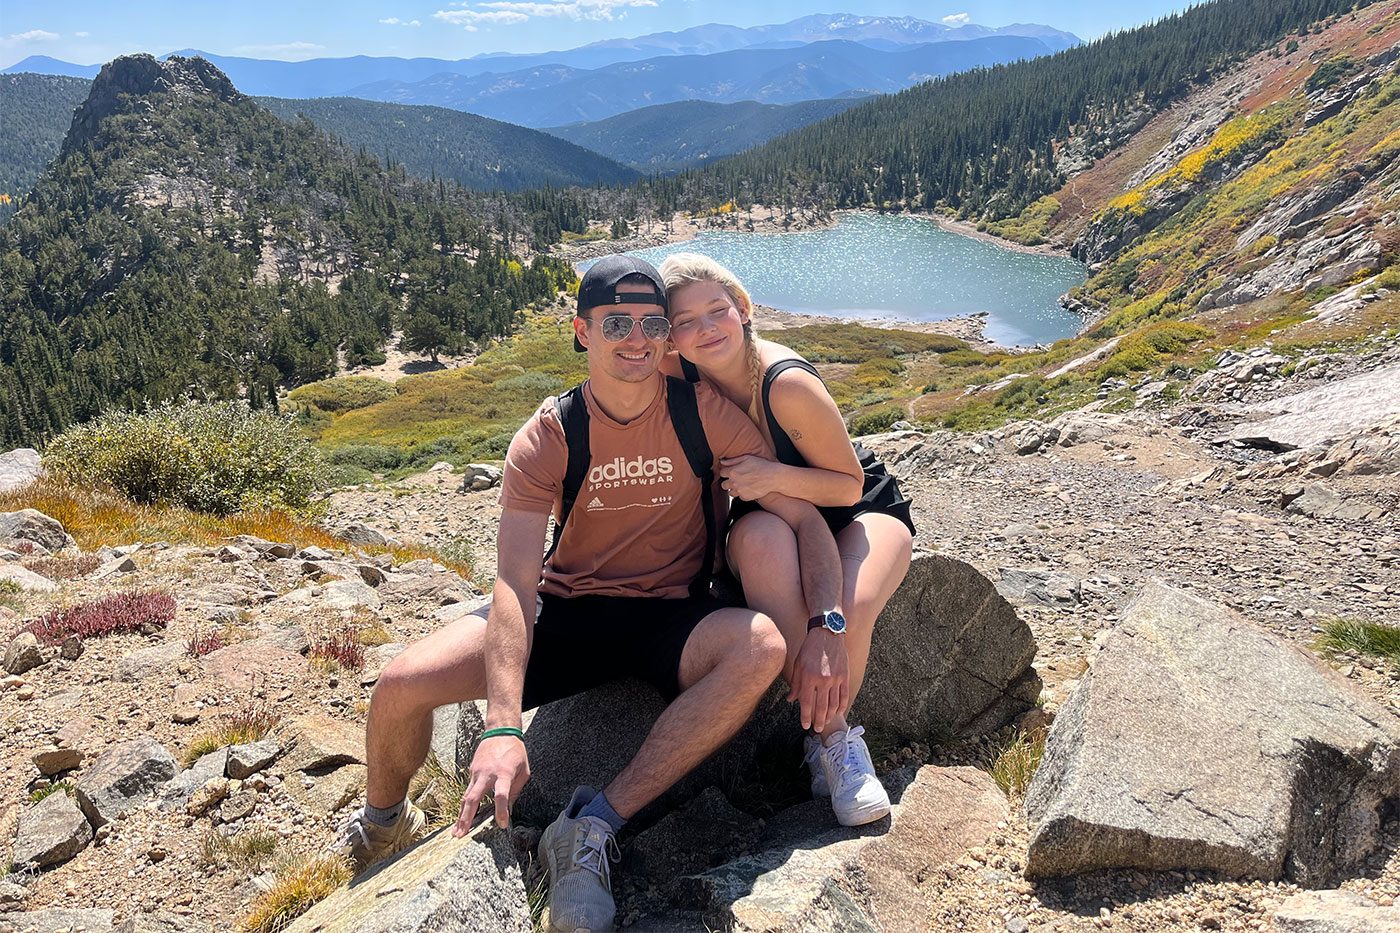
x=689 y=369
x=573 y=416
x=685 y=419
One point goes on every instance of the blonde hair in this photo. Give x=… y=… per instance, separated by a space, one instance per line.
x=682 y=269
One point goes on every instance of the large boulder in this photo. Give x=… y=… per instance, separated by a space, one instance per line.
x=1198 y=741
x=1321 y=415
x=144 y=662
x=122 y=776
x=26 y=579
x=51 y=831
x=18 y=468
x=441 y=883
x=949 y=658
x=33 y=525
x=811 y=875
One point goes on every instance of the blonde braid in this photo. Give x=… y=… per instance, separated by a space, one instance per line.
x=755 y=375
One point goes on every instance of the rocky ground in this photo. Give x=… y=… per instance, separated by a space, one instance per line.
x=1071 y=519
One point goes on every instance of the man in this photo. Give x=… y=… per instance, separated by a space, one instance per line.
x=613 y=599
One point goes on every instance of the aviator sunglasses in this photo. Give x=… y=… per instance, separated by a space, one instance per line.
x=618 y=327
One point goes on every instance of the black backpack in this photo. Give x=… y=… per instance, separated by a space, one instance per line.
x=685 y=419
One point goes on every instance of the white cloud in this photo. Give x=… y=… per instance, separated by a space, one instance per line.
x=33 y=35
x=287 y=51
x=519 y=11
x=957 y=19
x=395 y=21
x=82 y=35
x=468 y=19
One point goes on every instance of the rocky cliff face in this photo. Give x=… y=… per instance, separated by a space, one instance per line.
x=125 y=82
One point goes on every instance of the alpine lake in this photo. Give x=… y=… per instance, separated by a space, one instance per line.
x=885 y=266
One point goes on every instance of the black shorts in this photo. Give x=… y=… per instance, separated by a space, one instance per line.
x=585 y=641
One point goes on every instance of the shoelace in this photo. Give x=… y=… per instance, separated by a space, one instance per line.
x=594 y=853
x=844 y=755
x=357 y=824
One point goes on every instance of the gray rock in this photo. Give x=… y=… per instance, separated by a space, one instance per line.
x=478 y=476
x=145 y=662
x=1317 y=500
x=116 y=565
x=11 y=894
x=177 y=791
x=26 y=579
x=1322 y=415
x=58 y=920
x=318 y=741
x=244 y=760
x=122 y=776
x=24 y=653
x=161 y=922
x=1334 y=912
x=224 y=594
x=1085 y=428
x=704 y=833
x=33 y=525
x=51 y=831
x=1198 y=741
x=351 y=594
x=363 y=535
x=441 y=883
x=1022 y=585
x=71 y=649
x=824 y=877
x=19 y=467
x=375 y=660
x=314 y=553
x=238 y=805
x=457 y=727
x=949 y=658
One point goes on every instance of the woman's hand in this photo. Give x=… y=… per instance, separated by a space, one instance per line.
x=749 y=477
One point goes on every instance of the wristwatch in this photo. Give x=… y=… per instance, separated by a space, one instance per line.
x=831 y=620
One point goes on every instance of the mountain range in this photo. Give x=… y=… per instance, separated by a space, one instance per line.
x=553 y=95
x=325 y=77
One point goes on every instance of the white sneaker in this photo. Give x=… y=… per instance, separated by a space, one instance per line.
x=857 y=795
x=577 y=852
x=811 y=754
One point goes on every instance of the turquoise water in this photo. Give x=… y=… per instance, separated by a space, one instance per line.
x=882 y=266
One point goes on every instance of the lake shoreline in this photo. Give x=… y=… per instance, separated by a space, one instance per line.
x=682 y=228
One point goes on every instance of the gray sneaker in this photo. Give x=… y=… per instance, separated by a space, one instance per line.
x=577 y=852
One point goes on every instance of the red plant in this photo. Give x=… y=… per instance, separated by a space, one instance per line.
x=198 y=645
x=341 y=647
x=124 y=612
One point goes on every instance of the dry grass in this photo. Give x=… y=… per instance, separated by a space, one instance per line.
x=95 y=517
x=247 y=851
x=300 y=884
x=1014 y=766
x=437 y=792
x=248 y=723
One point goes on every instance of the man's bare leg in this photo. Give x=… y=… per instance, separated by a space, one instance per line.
x=730 y=660
x=447 y=666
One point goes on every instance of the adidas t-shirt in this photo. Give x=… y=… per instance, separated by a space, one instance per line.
x=636 y=528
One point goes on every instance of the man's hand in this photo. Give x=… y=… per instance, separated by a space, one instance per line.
x=820 y=678
x=500 y=766
x=749 y=477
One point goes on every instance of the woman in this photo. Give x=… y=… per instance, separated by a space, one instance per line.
x=711 y=330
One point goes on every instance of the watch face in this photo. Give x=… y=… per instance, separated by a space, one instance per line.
x=836 y=622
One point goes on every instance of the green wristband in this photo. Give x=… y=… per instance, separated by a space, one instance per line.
x=503 y=730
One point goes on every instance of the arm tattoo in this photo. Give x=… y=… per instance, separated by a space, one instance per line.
x=796 y=435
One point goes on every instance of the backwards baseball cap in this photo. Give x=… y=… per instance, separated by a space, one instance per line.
x=599 y=285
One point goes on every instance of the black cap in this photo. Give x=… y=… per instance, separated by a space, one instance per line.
x=599 y=285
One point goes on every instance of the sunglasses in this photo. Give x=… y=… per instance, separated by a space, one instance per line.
x=618 y=327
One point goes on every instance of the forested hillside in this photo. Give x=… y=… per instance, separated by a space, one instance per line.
x=669 y=137
x=187 y=241
x=37 y=110
x=434 y=142
x=991 y=141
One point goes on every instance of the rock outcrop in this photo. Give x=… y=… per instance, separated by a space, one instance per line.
x=1198 y=741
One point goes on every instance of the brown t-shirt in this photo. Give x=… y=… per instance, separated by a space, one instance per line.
x=636 y=528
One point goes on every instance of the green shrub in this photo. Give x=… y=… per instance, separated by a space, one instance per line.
x=344 y=393
x=532 y=385
x=216 y=457
x=877 y=419
x=373 y=457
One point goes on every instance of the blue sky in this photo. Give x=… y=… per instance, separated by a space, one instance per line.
x=90 y=32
